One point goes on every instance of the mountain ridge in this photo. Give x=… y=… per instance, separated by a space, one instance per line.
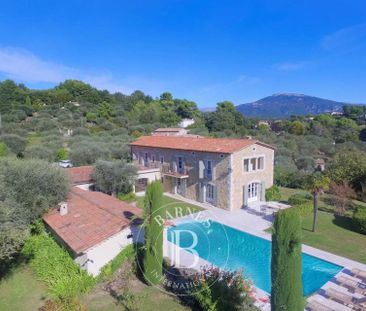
x=283 y=105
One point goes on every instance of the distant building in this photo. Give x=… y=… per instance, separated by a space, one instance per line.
x=170 y=131
x=81 y=176
x=319 y=165
x=336 y=113
x=186 y=122
x=263 y=123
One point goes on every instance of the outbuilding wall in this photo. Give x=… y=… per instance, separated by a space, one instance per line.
x=95 y=258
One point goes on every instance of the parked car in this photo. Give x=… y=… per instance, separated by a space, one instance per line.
x=65 y=163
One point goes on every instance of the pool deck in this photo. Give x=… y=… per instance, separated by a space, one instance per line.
x=255 y=220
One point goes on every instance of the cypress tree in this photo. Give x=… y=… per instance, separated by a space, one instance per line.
x=287 y=291
x=154 y=215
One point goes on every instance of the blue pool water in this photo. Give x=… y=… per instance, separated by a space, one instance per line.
x=231 y=249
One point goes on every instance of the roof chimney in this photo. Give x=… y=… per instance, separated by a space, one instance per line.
x=63 y=208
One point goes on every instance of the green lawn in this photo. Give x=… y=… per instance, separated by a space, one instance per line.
x=20 y=290
x=176 y=208
x=335 y=236
x=148 y=298
x=324 y=202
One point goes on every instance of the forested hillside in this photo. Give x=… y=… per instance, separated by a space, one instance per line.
x=76 y=121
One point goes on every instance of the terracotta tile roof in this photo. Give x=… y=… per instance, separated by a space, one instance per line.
x=80 y=175
x=220 y=145
x=92 y=217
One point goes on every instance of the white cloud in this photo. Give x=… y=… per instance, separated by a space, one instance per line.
x=24 y=66
x=290 y=66
x=345 y=38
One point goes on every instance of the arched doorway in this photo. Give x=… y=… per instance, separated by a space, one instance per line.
x=254 y=192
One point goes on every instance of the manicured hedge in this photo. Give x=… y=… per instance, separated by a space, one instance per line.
x=273 y=193
x=359 y=219
x=299 y=198
x=304 y=209
x=287 y=291
x=55 y=267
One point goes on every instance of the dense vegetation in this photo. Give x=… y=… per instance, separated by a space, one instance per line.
x=27 y=189
x=54 y=266
x=287 y=292
x=76 y=121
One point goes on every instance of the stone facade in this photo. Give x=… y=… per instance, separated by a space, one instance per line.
x=223 y=188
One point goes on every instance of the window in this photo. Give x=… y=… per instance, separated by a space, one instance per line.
x=261 y=163
x=253 y=164
x=246 y=165
x=161 y=160
x=210 y=192
x=153 y=158
x=180 y=163
x=209 y=168
x=146 y=158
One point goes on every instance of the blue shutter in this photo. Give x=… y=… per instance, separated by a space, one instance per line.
x=263 y=191
x=214 y=195
x=245 y=195
x=201 y=169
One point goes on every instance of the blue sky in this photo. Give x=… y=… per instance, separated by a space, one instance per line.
x=206 y=51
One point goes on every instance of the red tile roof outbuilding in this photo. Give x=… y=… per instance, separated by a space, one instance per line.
x=92 y=218
x=80 y=175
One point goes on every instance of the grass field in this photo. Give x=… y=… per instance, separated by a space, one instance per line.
x=334 y=234
x=324 y=202
x=148 y=298
x=20 y=290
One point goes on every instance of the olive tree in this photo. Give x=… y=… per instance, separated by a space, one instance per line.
x=114 y=177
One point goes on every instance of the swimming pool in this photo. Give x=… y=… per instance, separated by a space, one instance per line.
x=231 y=249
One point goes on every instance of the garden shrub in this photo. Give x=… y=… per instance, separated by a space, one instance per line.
x=273 y=193
x=222 y=290
x=54 y=266
x=299 y=198
x=359 y=219
x=129 y=197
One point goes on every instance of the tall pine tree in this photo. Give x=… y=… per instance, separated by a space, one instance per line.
x=154 y=215
x=287 y=291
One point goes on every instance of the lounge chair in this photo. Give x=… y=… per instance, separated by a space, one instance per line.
x=340 y=297
x=352 y=284
x=318 y=306
x=359 y=273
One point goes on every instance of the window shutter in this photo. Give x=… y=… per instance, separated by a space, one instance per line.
x=245 y=195
x=184 y=186
x=215 y=195
x=201 y=168
x=263 y=191
x=174 y=163
x=213 y=171
x=200 y=192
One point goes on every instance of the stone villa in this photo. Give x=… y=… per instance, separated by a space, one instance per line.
x=227 y=173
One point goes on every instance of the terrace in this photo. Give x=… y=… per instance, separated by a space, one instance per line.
x=345 y=291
